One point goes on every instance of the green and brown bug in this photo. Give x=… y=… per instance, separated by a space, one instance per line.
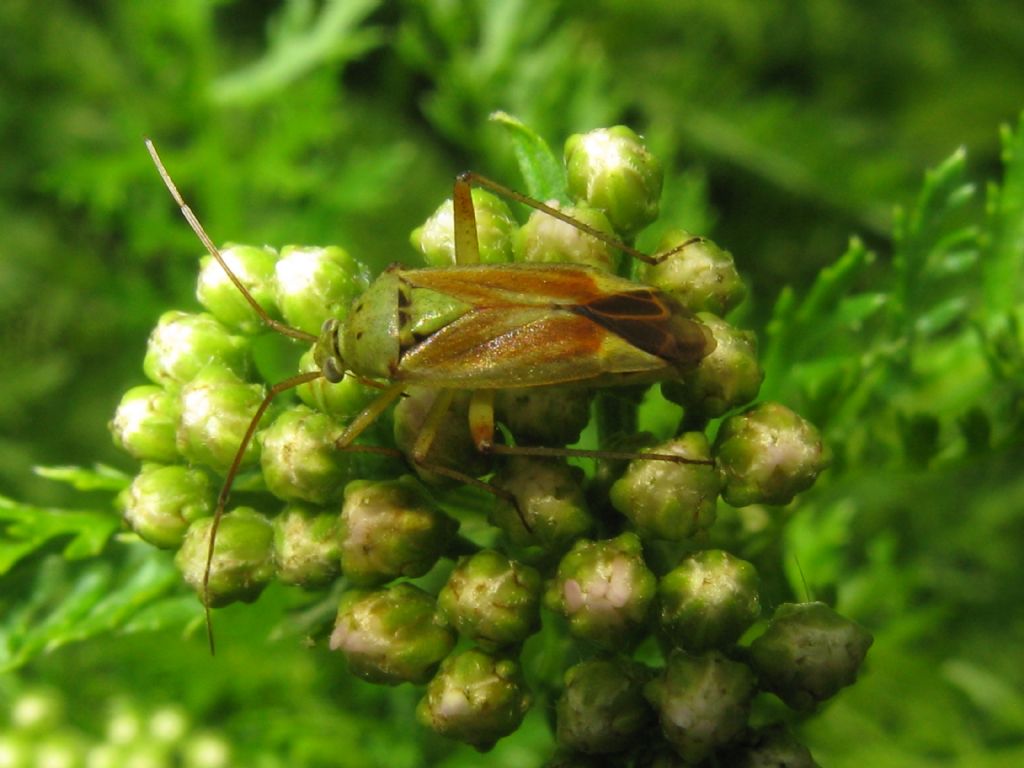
x=483 y=328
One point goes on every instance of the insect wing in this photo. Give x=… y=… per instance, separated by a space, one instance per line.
x=505 y=346
x=519 y=284
x=652 y=322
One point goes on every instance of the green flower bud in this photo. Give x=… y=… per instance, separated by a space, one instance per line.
x=492 y=600
x=543 y=239
x=307 y=548
x=708 y=601
x=145 y=424
x=604 y=589
x=63 y=749
x=391 y=636
x=16 y=751
x=124 y=723
x=299 y=459
x=312 y=284
x=389 y=529
x=243 y=556
x=182 y=345
x=549 y=495
x=168 y=725
x=207 y=750
x=344 y=400
x=665 y=500
x=37 y=711
x=702 y=702
x=215 y=291
x=544 y=415
x=772 y=747
x=611 y=170
x=495 y=227
x=452 y=445
x=475 y=698
x=767 y=455
x=147 y=755
x=728 y=377
x=602 y=707
x=808 y=653
x=162 y=502
x=216 y=409
x=700 y=276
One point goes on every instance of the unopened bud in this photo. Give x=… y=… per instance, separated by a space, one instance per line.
x=808 y=653
x=492 y=600
x=391 y=528
x=602 y=707
x=668 y=500
x=312 y=284
x=146 y=422
x=548 y=495
x=216 y=410
x=299 y=459
x=391 y=636
x=243 y=556
x=495 y=226
x=708 y=601
x=543 y=239
x=254 y=267
x=475 y=698
x=728 y=377
x=162 y=502
x=697 y=273
x=307 y=548
x=604 y=589
x=768 y=454
x=610 y=169
x=702 y=702
x=181 y=345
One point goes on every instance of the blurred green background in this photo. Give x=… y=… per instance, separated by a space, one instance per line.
x=785 y=129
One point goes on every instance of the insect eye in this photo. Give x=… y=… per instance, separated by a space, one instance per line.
x=332 y=372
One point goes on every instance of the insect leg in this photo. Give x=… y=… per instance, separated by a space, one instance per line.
x=467 y=247
x=229 y=479
x=369 y=415
x=582 y=453
x=469 y=178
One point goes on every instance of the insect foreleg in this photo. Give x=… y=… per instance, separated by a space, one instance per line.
x=369 y=415
x=428 y=430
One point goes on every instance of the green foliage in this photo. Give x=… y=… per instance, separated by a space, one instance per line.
x=785 y=127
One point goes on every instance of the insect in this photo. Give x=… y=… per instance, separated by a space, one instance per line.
x=482 y=328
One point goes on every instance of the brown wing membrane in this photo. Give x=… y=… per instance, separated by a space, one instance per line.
x=518 y=284
x=501 y=347
x=645 y=319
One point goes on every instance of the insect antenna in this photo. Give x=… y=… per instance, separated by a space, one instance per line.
x=274 y=391
x=193 y=221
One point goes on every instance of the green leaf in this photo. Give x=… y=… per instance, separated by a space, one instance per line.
x=1003 y=259
x=69 y=603
x=301 y=42
x=100 y=478
x=989 y=692
x=27 y=528
x=542 y=171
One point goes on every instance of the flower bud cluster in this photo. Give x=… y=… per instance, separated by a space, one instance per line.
x=608 y=561
x=36 y=730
